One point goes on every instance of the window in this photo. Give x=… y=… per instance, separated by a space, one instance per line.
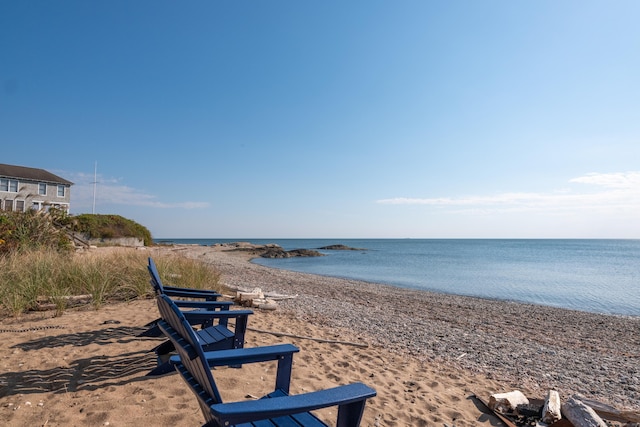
x=42 y=189
x=60 y=190
x=20 y=205
x=4 y=184
x=13 y=186
x=8 y=205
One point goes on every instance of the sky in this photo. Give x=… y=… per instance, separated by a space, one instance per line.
x=332 y=119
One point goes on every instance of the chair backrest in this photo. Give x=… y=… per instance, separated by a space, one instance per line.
x=191 y=353
x=155 y=277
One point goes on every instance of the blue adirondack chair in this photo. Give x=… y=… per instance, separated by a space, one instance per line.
x=278 y=408
x=173 y=291
x=215 y=337
x=212 y=317
x=195 y=296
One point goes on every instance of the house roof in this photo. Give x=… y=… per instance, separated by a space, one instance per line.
x=32 y=174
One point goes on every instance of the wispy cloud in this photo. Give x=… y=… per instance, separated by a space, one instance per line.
x=111 y=191
x=619 y=192
x=628 y=180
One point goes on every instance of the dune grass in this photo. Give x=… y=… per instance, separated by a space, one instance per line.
x=29 y=280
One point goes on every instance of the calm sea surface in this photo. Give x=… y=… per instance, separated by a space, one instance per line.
x=600 y=276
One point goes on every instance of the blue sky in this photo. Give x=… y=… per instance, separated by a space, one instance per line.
x=424 y=119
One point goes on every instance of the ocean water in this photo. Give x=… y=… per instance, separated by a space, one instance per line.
x=601 y=276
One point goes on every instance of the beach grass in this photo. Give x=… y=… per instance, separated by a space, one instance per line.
x=31 y=279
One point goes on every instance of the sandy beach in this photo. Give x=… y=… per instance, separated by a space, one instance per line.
x=425 y=354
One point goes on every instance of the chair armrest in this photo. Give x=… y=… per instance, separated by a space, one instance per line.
x=200 y=291
x=253 y=410
x=240 y=356
x=211 y=305
x=189 y=293
x=204 y=315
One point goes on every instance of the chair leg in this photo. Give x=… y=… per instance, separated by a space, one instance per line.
x=283 y=374
x=152 y=332
x=161 y=369
x=350 y=415
x=164 y=348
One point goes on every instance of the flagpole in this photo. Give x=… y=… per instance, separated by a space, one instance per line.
x=95 y=181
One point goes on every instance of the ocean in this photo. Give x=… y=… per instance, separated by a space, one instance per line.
x=600 y=276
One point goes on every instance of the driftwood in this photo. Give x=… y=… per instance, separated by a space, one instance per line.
x=277 y=297
x=581 y=415
x=258 y=299
x=249 y=296
x=551 y=411
x=280 y=334
x=504 y=419
x=272 y=296
x=609 y=412
x=46 y=304
x=507 y=402
x=578 y=411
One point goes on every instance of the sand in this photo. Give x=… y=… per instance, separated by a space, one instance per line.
x=87 y=367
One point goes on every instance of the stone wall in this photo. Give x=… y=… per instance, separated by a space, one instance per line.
x=120 y=241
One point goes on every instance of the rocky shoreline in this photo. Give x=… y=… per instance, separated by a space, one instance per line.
x=529 y=347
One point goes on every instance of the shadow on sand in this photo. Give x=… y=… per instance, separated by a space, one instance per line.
x=88 y=373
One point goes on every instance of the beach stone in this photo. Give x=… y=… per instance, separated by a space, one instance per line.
x=278 y=252
x=341 y=248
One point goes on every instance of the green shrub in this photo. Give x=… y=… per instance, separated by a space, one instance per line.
x=30 y=230
x=110 y=226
